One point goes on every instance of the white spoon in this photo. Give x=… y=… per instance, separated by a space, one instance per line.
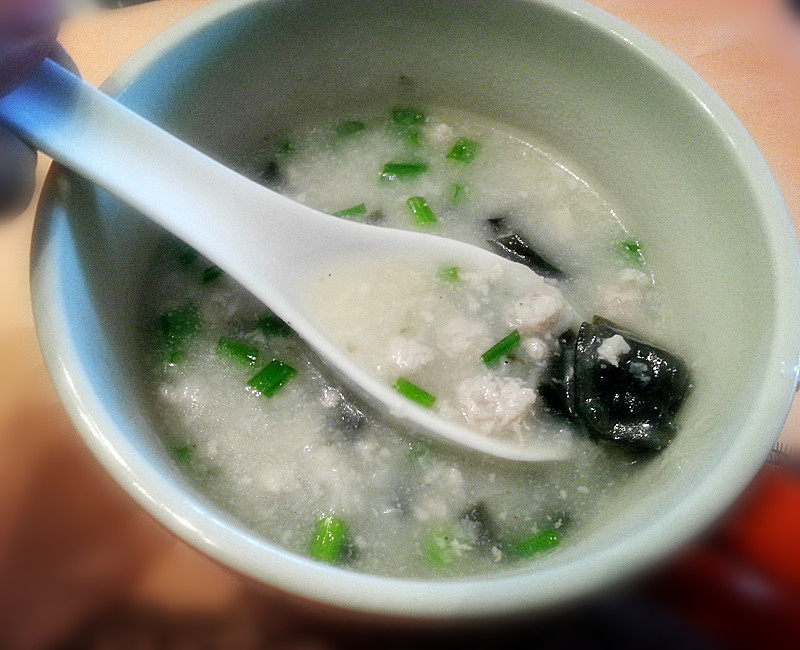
x=268 y=243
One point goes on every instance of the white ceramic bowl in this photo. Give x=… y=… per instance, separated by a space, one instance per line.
x=630 y=115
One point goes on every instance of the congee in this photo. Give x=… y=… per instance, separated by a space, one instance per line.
x=264 y=430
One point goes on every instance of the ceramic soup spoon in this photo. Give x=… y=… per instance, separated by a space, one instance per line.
x=268 y=243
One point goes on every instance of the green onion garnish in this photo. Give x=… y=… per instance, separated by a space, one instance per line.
x=353 y=211
x=403 y=171
x=420 y=210
x=272 y=378
x=238 y=351
x=439 y=547
x=414 y=393
x=463 y=150
x=330 y=540
x=449 y=273
x=349 y=128
x=183 y=454
x=412 y=137
x=631 y=251
x=458 y=193
x=175 y=327
x=408 y=116
x=210 y=274
x=271 y=325
x=542 y=541
x=501 y=348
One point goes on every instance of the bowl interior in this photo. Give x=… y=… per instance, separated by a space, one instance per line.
x=687 y=180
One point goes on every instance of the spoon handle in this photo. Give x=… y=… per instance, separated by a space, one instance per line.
x=188 y=193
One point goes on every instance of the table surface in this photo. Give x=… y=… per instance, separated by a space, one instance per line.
x=59 y=567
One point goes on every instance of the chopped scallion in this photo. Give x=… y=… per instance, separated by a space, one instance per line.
x=542 y=541
x=414 y=392
x=458 y=193
x=631 y=251
x=440 y=547
x=420 y=210
x=272 y=378
x=353 y=211
x=330 y=540
x=238 y=351
x=408 y=116
x=412 y=137
x=210 y=274
x=183 y=454
x=403 y=171
x=463 y=150
x=175 y=328
x=501 y=348
x=449 y=273
x=349 y=128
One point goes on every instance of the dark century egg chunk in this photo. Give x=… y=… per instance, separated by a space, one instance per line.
x=617 y=385
x=508 y=243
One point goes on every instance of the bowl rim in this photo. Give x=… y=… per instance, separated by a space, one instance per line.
x=222 y=538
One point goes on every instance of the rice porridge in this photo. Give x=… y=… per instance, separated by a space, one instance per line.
x=260 y=426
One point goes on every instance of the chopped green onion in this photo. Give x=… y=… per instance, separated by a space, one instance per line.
x=403 y=171
x=238 y=351
x=272 y=378
x=458 y=193
x=175 y=327
x=449 y=273
x=463 y=150
x=420 y=210
x=330 y=540
x=542 y=541
x=349 y=128
x=408 y=116
x=501 y=348
x=440 y=547
x=412 y=137
x=414 y=393
x=271 y=325
x=210 y=274
x=353 y=211
x=631 y=251
x=183 y=454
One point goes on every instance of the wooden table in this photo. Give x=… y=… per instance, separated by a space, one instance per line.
x=76 y=554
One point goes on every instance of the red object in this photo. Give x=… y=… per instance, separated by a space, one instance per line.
x=741 y=587
x=766 y=529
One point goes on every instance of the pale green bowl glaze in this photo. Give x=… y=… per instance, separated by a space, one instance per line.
x=634 y=118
